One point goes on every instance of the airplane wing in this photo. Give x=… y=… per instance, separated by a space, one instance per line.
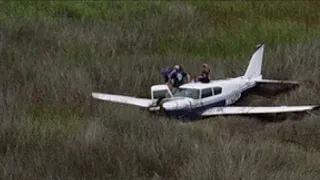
x=141 y=102
x=234 y=110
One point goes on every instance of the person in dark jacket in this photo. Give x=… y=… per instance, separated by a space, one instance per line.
x=178 y=77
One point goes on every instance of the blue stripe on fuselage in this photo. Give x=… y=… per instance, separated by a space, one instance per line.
x=196 y=112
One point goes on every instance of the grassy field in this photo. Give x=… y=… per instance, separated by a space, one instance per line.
x=54 y=54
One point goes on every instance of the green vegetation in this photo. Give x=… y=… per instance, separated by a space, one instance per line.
x=54 y=54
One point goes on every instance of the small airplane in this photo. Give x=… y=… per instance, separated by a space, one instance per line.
x=196 y=99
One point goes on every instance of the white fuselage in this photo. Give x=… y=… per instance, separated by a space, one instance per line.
x=223 y=93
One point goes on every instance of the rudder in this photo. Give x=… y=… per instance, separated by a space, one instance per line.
x=255 y=64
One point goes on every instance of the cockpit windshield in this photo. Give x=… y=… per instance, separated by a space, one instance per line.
x=187 y=92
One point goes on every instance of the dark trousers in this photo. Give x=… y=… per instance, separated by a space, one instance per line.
x=204 y=80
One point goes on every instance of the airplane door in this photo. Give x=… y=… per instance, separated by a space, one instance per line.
x=206 y=96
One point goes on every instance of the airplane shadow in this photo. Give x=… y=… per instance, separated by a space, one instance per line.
x=272 y=91
x=269 y=91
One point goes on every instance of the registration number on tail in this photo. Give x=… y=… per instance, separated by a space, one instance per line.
x=233 y=98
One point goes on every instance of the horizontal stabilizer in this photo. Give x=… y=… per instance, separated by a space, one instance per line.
x=269 y=87
x=255 y=110
x=271 y=81
x=141 y=102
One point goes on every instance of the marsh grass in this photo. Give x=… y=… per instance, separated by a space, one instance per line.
x=54 y=54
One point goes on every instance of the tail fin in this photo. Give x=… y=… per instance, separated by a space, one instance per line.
x=254 y=68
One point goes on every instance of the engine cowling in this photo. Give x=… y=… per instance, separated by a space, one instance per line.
x=177 y=104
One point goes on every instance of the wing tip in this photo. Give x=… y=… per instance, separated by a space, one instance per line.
x=316 y=107
x=95 y=94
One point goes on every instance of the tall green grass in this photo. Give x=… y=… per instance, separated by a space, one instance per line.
x=208 y=28
x=54 y=54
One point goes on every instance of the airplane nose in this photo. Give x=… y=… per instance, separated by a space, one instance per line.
x=169 y=105
x=176 y=104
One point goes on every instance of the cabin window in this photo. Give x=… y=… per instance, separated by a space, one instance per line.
x=187 y=92
x=217 y=90
x=206 y=93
